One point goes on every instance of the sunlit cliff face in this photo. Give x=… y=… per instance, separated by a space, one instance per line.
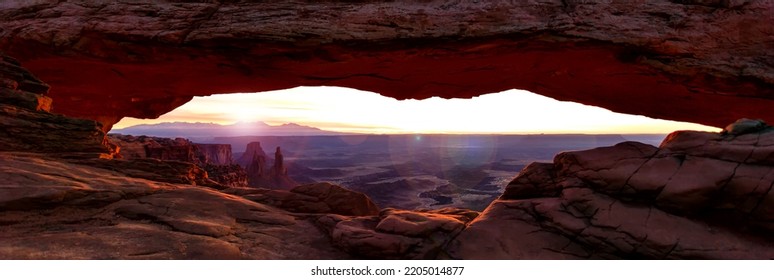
x=350 y=110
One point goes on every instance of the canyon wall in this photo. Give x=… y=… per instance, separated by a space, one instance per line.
x=217 y=154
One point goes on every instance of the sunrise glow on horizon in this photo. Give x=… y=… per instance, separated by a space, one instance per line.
x=350 y=110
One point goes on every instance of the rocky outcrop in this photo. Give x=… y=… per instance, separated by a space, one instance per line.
x=254 y=154
x=28 y=126
x=677 y=60
x=278 y=169
x=205 y=157
x=178 y=149
x=254 y=162
x=397 y=234
x=229 y=175
x=52 y=209
x=321 y=198
x=700 y=195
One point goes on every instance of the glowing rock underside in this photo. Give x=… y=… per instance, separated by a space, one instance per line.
x=708 y=63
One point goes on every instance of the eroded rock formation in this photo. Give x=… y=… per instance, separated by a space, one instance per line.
x=321 y=198
x=51 y=209
x=278 y=168
x=699 y=195
x=678 y=60
x=209 y=158
x=28 y=126
x=254 y=161
x=397 y=234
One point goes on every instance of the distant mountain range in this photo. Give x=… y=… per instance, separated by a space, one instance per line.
x=210 y=130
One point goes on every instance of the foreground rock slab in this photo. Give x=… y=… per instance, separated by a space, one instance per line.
x=52 y=209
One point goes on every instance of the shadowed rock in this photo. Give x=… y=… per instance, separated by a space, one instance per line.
x=744 y=126
x=324 y=198
x=28 y=126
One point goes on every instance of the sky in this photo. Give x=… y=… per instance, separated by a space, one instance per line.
x=350 y=110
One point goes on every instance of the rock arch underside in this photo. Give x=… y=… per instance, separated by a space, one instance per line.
x=69 y=70
x=707 y=62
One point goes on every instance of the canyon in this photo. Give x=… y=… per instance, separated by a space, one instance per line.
x=70 y=70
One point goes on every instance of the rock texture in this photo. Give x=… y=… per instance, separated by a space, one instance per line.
x=678 y=60
x=253 y=155
x=699 y=195
x=216 y=154
x=397 y=234
x=213 y=160
x=169 y=171
x=51 y=209
x=254 y=162
x=229 y=175
x=28 y=126
x=321 y=198
x=178 y=149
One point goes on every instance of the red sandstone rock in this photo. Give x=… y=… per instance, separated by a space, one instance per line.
x=27 y=125
x=254 y=162
x=397 y=234
x=323 y=198
x=230 y=175
x=52 y=209
x=206 y=157
x=700 y=195
x=701 y=61
x=253 y=151
x=215 y=154
x=341 y=201
x=169 y=171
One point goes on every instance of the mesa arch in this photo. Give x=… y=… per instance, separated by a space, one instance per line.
x=702 y=61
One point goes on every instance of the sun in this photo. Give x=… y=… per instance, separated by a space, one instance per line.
x=242 y=114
